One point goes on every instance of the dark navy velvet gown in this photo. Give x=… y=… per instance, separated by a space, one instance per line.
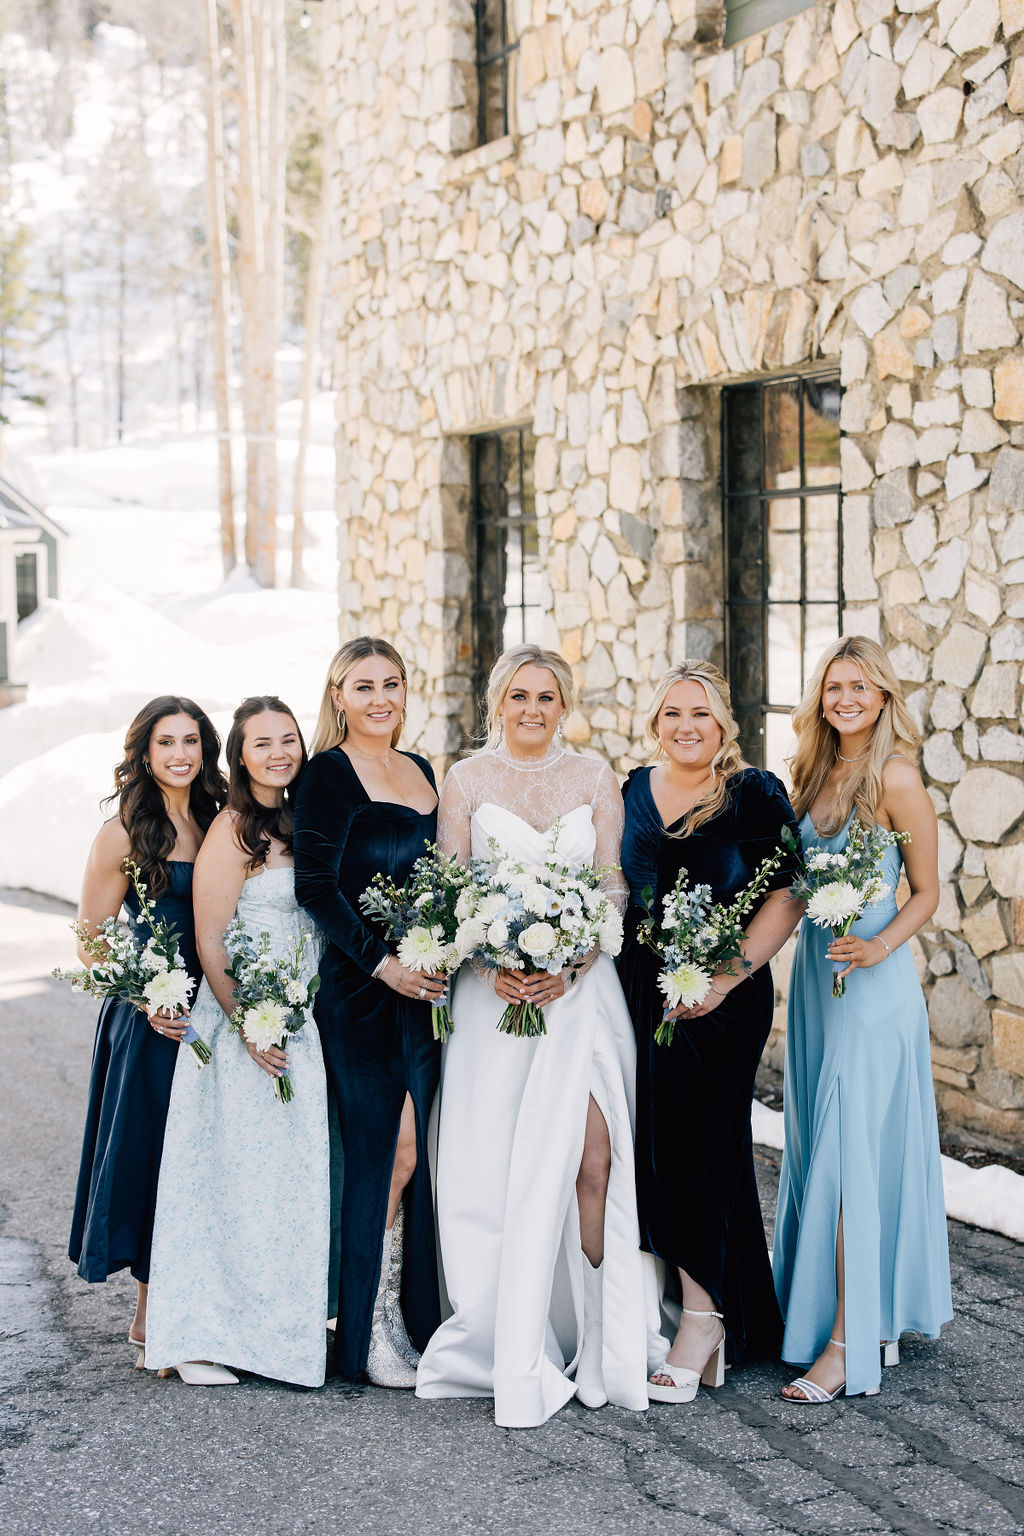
x=697 y=1195
x=377 y=1045
x=129 y=1090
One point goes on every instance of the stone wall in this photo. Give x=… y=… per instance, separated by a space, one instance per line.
x=668 y=216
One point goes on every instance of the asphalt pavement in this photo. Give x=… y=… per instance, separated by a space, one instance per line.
x=87 y=1444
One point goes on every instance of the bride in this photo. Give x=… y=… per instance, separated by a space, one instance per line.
x=535 y=1188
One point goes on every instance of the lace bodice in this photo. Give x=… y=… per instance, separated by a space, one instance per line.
x=540 y=795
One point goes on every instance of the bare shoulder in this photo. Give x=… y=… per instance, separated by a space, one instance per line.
x=112 y=844
x=221 y=840
x=901 y=776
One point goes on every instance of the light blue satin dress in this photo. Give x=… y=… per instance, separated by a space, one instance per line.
x=861 y=1135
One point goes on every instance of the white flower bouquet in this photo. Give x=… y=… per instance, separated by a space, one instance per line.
x=697 y=937
x=421 y=915
x=269 y=989
x=151 y=975
x=533 y=917
x=837 y=887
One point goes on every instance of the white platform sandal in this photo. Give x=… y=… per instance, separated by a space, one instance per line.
x=684 y=1381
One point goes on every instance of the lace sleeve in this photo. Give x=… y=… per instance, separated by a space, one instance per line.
x=609 y=820
x=454 y=812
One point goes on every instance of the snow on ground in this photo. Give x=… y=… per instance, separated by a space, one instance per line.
x=145 y=611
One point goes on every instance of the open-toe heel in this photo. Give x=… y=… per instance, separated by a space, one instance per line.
x=684 y=1381
x=812 y=1393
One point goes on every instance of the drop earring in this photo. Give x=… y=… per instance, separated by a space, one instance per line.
x=340 y=717
x=147 y=766
x=560 y=731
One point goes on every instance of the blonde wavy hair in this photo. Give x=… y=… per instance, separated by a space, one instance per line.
x=328 y=732
x=727 y=761
x=504 y=670
x=817 y=744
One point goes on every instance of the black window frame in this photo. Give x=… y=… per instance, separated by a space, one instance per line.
x=27 y=600
x=522 y=443
x=754 y=753
x=485 y=60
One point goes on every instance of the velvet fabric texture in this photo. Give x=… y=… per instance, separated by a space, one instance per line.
x=129 y=1091
x=377 y=1045
x=697 y=1195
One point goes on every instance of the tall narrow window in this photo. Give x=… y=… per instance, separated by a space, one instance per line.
x=493 y=52
x=27 y=580
x=783 y=549
x=507 y=606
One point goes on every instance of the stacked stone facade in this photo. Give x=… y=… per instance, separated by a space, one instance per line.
x=667 y=216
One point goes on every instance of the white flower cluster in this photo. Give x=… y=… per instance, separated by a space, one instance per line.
x=838 y=886
x=273 y=992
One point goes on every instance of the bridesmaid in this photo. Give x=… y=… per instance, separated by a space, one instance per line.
x=363 y=808
x=241 y=1239
x=862 y=1147
x=701 y=808
x=168 y=789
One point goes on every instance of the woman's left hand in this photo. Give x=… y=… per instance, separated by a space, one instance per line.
x=720 y=988
x=859 y=954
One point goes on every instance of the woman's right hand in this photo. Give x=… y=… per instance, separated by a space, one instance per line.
x=172 y=1025
x=424 y=986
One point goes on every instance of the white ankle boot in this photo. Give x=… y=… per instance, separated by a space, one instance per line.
x=589 y=1375
x=384 y=1365
x=393 y=1298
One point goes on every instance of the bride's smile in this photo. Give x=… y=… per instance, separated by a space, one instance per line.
x=530 y=711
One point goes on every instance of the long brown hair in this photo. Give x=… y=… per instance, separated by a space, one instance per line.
x=817 y=744
x=329 y=732
x=141 y=808
x=255 y=824
x=727 y=761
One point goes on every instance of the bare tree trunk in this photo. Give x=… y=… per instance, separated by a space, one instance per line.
x=312 y=323
x=220 y=287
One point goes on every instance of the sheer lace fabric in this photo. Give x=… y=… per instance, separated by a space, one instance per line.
x=540 y=794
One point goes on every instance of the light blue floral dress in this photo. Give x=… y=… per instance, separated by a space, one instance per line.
x=242 y=1233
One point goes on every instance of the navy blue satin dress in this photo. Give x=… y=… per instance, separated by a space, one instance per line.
x=129 y=1090
x=697 y=1195
x=377 y=1045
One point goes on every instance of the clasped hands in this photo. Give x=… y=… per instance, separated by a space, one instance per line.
x=537 y=987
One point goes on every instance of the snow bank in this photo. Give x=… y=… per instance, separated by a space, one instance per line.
x=992 y=1197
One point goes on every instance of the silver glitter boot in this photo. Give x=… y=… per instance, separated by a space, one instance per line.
x=393 y=1297
x=384 y=1365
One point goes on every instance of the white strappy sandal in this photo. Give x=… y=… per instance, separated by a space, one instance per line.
x=812 y=1392
x=684 y=1381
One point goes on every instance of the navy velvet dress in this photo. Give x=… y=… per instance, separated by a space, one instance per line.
x=377 y=1045
x=697 y=1195
x=129 y=1090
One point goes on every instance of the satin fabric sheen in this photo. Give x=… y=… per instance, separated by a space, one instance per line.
x=861 y=1134
x=377 y=1045
x=697 y=1194
x=129 y=1091
x=511 y=1131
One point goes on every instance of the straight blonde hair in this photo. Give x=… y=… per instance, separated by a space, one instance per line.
x=328 y=732
x=504 y=670
x=727 y=761
x=817 y=744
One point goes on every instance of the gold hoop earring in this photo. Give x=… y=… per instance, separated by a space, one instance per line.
x=146 y=765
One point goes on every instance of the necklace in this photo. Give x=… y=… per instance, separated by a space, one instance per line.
x=529 y=765
x=373 y=757
x=858 y=759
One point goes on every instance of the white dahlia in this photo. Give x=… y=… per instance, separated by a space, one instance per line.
x=167 y=989
x=687 y=985
x=264 y=1024
x=833 y=904
x=423 y=949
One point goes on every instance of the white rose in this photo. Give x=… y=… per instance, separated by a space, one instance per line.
x=464 y=905
x=538 y=940
x=610 y=932
x=497 y=933
x=535 y=899
x=469 y=936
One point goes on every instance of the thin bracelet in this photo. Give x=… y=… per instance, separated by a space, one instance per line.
x=378 y=969
x=717 y=989
x=884 y=945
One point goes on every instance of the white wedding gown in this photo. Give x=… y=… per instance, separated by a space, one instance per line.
x=511 y=1131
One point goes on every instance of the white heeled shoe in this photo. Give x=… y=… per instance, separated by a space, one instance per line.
x=684 y=1381
x=384 y=1365
x=393 y=1295
x=589 y=1375
x=200 y=1373
x=890 y=1352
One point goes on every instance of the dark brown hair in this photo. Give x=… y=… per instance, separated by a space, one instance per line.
x=141 y=808
x=255 y=824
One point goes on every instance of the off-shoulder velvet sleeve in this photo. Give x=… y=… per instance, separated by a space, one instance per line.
x=324 y=811
x=764 y=812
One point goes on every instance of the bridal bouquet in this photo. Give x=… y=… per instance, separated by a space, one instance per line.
x=838 y=886
x=150 y=976
x=421 y=915
x=271 y=994
x=697 y=937
x=536 y=917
